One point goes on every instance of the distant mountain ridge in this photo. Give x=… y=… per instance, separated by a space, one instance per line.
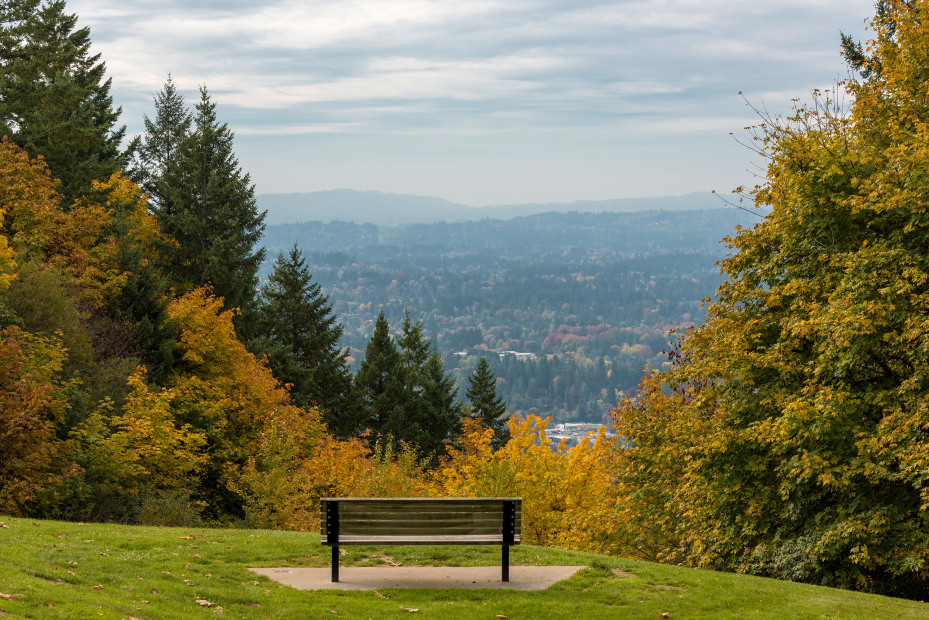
x=372 y=207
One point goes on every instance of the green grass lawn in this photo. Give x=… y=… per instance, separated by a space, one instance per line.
x=50 y=569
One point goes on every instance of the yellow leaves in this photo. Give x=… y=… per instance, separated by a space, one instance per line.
x=148 y=440
x=566 y=493
x=7 y=256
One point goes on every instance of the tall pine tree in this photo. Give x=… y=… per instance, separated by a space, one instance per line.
x=379 y=384
x=54 y=98
x=213 y=215
x=300 y=335
x=157 y=149
x=486 y=405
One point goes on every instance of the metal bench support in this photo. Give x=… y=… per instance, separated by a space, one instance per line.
x=509 y=535
x=332 y=534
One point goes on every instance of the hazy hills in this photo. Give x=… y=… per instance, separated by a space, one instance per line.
x=385 y=209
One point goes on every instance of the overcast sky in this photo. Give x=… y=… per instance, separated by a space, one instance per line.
x=480 y=101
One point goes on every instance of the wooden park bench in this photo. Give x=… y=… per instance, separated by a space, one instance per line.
x=420 y=521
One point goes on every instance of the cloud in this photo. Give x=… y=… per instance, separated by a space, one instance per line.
x=484 y=67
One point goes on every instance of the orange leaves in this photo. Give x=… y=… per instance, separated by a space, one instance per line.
x=83 y=241
x=30 y=403
x=223 y=391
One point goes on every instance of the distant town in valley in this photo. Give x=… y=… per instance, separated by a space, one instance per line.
x=568 y=305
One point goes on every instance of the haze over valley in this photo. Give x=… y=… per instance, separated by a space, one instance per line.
x=567 y=306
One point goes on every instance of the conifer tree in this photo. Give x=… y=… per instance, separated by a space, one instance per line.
x=379 y=384
x=213 y=215
x=300 y=335
x=439 y=414
x=431 y=417
x=54 y=98
x=157 y=149
x=486 y=405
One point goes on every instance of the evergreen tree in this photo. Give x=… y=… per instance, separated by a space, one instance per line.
x=379 y=384
x=142 y=304
x=431 y=416
x=438 y=413
x=414 y=347
x=157 y=150
x=300 y=335
x=213 y=216
x=54 y=98
x=406 y=393
x=486 y=405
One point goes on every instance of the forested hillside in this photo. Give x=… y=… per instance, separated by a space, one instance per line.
x=592 y=297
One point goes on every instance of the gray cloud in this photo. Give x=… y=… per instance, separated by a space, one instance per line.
x=568 y=73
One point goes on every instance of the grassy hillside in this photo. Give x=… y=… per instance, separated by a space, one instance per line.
x=67 y=570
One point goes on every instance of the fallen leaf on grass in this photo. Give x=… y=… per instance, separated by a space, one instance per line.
x=343 y=552
x=207 y=574
x=187 y=537
x=379 y=595
x=194 y=555
x=332 y=611
x=409 y=609
x=218 y=610
x=204 y=603
x=501 y=616
x=7 y=597
x=4 y=526
x=664 y=615
x=96 y=587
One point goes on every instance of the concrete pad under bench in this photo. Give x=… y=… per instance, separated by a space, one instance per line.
x=386 y=577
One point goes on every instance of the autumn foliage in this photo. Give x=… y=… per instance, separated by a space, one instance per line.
x=788 y=438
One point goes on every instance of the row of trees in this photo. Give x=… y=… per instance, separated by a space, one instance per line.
x=144 y=368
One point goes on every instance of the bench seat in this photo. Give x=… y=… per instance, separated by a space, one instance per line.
x=420 y=521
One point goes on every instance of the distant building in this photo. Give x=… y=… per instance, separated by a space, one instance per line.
x=517 y=354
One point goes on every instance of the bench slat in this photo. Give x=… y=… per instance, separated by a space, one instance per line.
x=421 y=508
x=458 y=539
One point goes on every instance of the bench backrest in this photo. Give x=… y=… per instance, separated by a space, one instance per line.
x=465 y=516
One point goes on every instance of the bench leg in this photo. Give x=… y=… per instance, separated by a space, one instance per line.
x=335 y=564
x=506 y=563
